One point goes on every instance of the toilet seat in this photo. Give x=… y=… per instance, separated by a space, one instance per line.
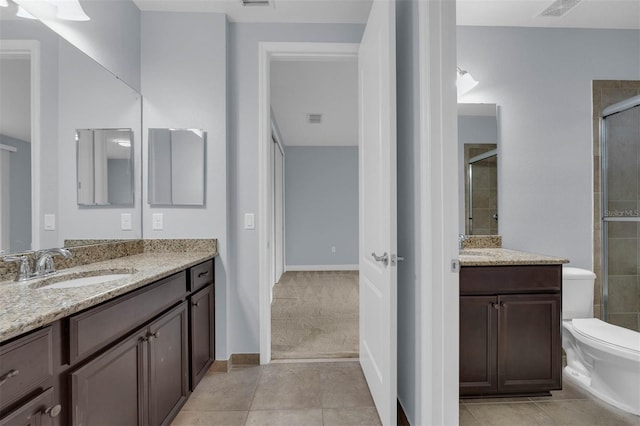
x=609 y=335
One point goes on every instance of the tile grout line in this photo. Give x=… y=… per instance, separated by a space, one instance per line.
x=253 y=396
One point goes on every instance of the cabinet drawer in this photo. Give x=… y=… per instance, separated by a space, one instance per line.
x=97 y=327
x=37 y=411
x=510 y=279
x=201 y=275
x=24 y=364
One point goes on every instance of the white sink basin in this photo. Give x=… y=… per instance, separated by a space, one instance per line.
x=91 y=278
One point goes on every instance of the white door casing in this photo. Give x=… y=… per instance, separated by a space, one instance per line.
x=377 y=200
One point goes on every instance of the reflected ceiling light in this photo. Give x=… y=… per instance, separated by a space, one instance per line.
x=24 y=14
x=465 y=82
x=123 y=142
x=68 y=10
x=3 y=3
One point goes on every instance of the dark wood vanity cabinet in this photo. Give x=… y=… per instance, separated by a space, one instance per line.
x=141 y=380
x=510 y=336
x=130 y=360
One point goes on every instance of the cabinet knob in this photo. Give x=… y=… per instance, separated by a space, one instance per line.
x=196 y=304
x=53 y=411
x=496 y=305
x=10 y=374
x=154 y=335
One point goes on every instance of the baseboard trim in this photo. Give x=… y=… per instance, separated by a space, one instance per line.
x=295 y=268
x=244 y=359
x=220 y=366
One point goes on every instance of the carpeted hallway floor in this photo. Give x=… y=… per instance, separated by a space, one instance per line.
x=315 y=315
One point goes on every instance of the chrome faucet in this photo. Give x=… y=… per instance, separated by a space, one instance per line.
x=44 y=260
x=24 y=266
x=44 y=264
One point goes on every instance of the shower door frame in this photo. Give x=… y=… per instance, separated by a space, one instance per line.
x=616 y=108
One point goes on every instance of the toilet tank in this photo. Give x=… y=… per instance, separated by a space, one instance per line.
x=577 y=293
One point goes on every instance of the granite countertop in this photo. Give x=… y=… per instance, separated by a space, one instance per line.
x=26 y=306
x=502 y=256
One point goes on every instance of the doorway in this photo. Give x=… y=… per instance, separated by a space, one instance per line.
x=314 y=117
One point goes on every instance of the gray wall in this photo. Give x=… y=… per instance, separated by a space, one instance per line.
x=184 y=84
x=19 y=194
x=541 y=80
x=243 y=162
x=321 y=205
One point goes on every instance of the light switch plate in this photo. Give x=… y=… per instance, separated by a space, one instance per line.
x=125 y=221
x=157 y=220
x=49 y=222
x=249 y=221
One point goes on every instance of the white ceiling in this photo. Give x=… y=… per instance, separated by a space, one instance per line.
x=330 y=88
x=623 y=14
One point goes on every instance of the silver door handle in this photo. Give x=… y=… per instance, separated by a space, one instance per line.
x=384 y=258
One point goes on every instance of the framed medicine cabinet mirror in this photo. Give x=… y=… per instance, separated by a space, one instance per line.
x=105 y=167
x=177 y=167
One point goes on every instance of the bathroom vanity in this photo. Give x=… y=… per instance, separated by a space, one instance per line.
x=510 y=323
x=125 y=352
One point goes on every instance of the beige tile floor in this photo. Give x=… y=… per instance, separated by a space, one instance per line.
x=315 y=315
x=323 y=393
x=570 y=406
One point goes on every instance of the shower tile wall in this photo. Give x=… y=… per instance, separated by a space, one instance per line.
x=624 y=195
x=485 y=190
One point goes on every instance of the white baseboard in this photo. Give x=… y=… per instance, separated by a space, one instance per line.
x=321 y=268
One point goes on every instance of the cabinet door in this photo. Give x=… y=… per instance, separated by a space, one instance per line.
x=39 y=411
x=110 y=389
x=529 y=354
x=168 y=365
x=478 y=344
x=202 y=334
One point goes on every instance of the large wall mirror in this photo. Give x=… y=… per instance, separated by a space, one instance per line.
x=48 y=90
x=177 y=167
x=478 y=168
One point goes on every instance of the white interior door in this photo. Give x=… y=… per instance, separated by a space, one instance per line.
x=378 y=276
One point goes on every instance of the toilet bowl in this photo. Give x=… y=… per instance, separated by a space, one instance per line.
x=602 y=358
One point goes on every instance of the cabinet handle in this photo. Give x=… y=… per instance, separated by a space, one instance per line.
x=203 y=274
x=495 y=305
x=196 y=304
x=10 y=374
x=53 y=411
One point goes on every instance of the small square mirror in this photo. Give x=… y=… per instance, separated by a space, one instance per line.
x=177 y=167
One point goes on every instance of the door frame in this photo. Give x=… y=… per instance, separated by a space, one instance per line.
x=268 y=51
x=31 y=48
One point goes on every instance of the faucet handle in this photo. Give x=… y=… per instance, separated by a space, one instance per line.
x=44 y=260
x=24 y=267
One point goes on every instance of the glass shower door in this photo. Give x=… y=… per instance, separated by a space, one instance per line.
x=621 y=213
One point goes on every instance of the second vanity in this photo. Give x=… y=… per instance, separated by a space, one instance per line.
x=128 y=351
x=510 y=335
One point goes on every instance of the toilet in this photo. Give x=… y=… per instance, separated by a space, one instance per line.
x=602 y=358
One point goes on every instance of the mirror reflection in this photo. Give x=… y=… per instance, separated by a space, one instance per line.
x=478 y=167
x=105 y=167
x=176 y=167
x=49 y=88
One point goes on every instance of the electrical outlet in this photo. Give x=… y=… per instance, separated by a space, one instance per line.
x=157 y=221
x=125 y=221
x=333 y=249
x=49 y=222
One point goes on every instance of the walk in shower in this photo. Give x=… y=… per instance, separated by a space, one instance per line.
x=620 y=162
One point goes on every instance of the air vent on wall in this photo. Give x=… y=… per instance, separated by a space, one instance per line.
x=314 y=118
x=255 y=2
x=559 y=7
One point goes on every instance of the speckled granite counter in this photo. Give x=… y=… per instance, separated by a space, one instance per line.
x=26 y=306
x=502 y=256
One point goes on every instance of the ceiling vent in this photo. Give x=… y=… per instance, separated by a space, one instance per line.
x=559 y=8
x=255 y=2
x=314 y=118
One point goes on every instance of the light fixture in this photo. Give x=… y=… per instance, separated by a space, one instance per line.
x=24 y=14
x=123 y=142
x=465 y=82
x=68 y=10
x=3 y=3
x=255 y=3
